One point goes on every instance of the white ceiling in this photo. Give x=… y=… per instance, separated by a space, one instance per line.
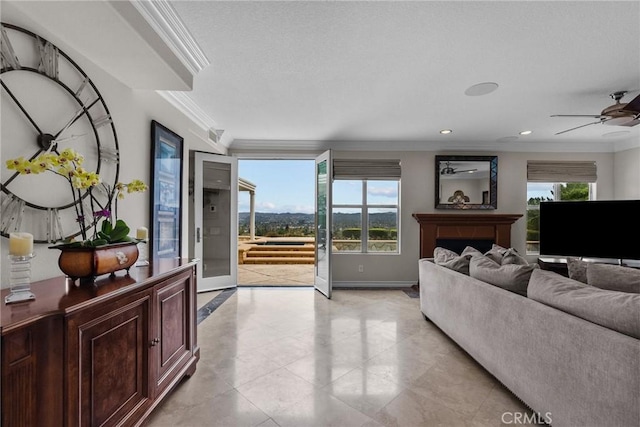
x=390 y=75
x=373 y=75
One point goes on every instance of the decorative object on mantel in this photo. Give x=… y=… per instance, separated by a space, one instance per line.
x=110 y=248
x=20 y=255
x=458 y=198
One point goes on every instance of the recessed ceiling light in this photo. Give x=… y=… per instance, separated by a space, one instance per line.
x=616 y=134
x=507 y=139
x=446 y=131
x=481 y=89
x=526 y=132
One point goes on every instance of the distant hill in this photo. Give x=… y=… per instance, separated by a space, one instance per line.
x=341 y=220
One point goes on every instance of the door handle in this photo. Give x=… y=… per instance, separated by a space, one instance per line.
x=198 y=235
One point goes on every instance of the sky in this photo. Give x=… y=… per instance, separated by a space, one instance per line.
x=281 y=185
x=289 y=186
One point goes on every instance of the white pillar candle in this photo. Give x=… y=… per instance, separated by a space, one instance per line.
x=20 y=244
x=142 y=233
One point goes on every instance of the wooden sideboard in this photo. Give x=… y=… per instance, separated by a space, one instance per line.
x=103 y=354
x=494 y=227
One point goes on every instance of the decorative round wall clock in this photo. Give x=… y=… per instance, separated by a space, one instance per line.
x=49 y=104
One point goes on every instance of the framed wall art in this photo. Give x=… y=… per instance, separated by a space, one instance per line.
x=166 y=188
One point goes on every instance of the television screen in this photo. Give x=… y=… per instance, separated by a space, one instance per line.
x=596 y=229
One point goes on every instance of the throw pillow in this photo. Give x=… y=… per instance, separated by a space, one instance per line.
x=511 y=256
x=614 y=277
x=611 y=309
x=512 y=277
x=441 y=255
x=496 y=253
x=470 y=251
x=577 y=269
x=450 y=259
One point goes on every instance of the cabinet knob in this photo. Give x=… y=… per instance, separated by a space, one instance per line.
x=155 y=341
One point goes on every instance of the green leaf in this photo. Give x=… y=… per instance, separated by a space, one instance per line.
x=106 y=227
x=99 y=242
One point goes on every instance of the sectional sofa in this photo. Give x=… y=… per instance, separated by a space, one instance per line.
x=570 y=371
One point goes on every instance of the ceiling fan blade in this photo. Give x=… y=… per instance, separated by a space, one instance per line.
x=598 y=116
x=578 y=127
x=634 y=105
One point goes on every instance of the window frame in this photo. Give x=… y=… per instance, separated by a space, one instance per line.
x=364 y=208
x=556 y=198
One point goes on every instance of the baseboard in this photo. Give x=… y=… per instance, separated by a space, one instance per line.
x=398 y=285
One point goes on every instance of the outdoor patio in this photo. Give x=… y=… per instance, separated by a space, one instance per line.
x=275 y=274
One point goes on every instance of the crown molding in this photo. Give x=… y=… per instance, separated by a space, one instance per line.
x=163 y=18
x=189 y=108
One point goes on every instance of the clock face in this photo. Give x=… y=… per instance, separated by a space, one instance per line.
x=49 y=104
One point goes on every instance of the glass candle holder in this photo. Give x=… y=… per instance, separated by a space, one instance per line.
x=143 y=254
x=20 y=279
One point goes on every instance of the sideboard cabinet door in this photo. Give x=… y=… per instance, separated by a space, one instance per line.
x=174 y=329
x=108 y=351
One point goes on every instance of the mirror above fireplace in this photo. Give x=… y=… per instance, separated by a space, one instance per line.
x=466 y=182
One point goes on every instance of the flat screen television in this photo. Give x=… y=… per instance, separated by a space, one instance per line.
x=593 y=229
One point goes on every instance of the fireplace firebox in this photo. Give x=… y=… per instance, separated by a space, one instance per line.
x=456 y=231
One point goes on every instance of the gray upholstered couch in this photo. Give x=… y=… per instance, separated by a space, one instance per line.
x=579 y=372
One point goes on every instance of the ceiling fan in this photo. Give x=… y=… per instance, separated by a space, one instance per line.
x=448 y=170
x=618 y=114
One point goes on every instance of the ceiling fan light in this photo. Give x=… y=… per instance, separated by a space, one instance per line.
x=618 y=121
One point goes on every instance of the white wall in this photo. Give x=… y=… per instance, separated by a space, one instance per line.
x=417 y=196
x=626 y=166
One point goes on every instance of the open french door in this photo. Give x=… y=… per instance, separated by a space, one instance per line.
x=215 y=220
x=322 y=279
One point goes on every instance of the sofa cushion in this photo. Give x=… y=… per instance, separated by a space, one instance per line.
x=614 y=277
x=511 y=256
x=513 y=277
x=470 y=251
x=611 y=309
x=450 y=259
x=577 y=269
x=496 y=253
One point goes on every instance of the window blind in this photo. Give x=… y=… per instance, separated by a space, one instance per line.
x=561 y=171
x=380 y=169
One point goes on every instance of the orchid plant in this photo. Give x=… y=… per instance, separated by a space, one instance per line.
x=68 y=164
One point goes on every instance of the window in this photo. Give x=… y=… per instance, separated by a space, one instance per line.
x=365 y=216
x=555 y=180
x=547 y=191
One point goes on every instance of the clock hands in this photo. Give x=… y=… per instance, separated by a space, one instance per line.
x=21 y=108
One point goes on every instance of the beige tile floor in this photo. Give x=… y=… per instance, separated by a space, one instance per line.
x=291 y=357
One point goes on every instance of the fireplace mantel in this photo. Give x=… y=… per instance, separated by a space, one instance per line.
x=496 y=227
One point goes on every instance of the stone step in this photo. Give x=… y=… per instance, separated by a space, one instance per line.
x=282 y=248
x=278 y=260
x=305 y=254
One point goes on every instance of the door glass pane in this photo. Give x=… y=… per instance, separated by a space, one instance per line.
x=321 y=218
x=383 y=229
x=347 y=229
x=216 y=217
